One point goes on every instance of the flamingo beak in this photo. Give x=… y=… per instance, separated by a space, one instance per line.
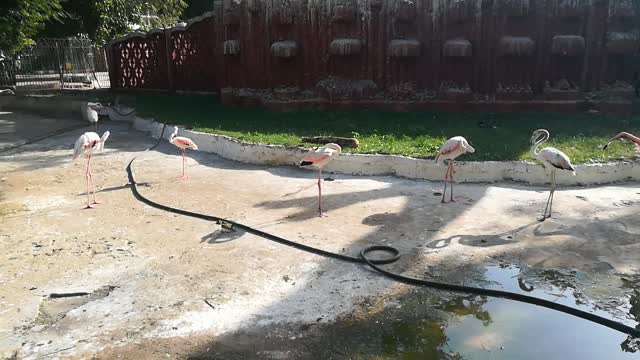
x=606 y=146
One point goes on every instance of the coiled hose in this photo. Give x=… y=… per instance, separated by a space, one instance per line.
x=395 y=255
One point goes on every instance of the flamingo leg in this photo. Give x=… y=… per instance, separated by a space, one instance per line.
x=553 y=191
x=549 y=199
x=445 y=182
x=184 y=165
x=451 y=180
x=320 y=213
x=88 y=175
x=93 y=188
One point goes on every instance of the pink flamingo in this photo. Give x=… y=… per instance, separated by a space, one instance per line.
x=453 y=148
x=624 y=135
x=85 y=144
x=183 y=143
x=320 y=158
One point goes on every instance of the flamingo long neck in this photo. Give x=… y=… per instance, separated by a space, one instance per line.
x=173 y=136
x=632 y=138
x=536 y=144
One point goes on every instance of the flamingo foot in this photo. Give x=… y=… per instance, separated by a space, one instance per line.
x=96 y=202
x=322 y=215
x=183 y=177
x=89 y=207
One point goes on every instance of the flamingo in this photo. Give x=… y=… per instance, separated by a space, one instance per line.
x=85 y=144
x=551 y=158
x=90 y=114
x=183 y=143
x=453 y=148
x=320 y=158
x=624 y=135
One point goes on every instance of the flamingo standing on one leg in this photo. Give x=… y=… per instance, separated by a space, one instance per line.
x=320 y=158
x=453 y=148
x=624 y=135
x=85 y=144
x=183 y=143
x=90 y=114
x=551 y=158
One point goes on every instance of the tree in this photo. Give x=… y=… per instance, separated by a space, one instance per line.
x=197 y=8
x=104 y=20
x=20 y=20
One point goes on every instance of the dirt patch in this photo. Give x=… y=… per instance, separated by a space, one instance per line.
x=55 y=307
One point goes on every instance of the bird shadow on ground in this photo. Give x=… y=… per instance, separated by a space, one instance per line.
x=481 y=240
x=308 y=205
x=117 y=188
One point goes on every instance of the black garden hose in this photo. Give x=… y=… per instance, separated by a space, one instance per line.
x=395 y=255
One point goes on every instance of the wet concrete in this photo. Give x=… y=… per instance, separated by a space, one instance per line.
x=16 y=129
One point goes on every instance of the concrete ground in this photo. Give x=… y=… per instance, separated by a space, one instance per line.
x=149 y=272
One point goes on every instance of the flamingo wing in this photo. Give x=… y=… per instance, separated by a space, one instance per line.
x=451 y=146
x=79 y=146
x=186 y=142
x=319 y=157
x=84 y=141
x=557 y=159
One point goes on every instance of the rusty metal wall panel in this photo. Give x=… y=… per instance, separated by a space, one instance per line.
x=140 y=62
x=511 y=48
x=513 y=40
x=192 y=55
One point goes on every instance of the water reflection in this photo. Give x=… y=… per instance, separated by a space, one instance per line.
x=486 y=328
x=631 y=344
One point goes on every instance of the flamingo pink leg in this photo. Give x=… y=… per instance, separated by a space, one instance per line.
x=446 y=176
x=88 y=174
x=320 y=194
x=184 y=165
x=93 y=187
x=451 y=179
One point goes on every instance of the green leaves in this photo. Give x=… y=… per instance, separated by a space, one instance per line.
x=20 y=20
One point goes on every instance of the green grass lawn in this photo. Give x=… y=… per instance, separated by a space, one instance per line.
x=496 y=136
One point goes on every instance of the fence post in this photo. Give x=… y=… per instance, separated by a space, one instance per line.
x=60 y=65
x=167 y=47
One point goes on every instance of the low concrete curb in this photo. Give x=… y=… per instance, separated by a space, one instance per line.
x=363 y=164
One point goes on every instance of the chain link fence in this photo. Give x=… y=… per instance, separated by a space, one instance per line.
x=51 y=64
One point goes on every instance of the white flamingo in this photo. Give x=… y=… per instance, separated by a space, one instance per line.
x=85 y=144
x=550 y=158
x=453 y=148
x=90 y=114
x=319 y=159
x=183 y=143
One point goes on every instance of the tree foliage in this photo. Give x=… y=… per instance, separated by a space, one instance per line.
x=20 y=20
x=197 y=8
x=104 y=20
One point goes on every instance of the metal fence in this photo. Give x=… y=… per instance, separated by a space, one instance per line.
x=50 y=64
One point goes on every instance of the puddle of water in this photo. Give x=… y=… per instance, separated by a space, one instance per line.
x=502 y=329
x=488 y=328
